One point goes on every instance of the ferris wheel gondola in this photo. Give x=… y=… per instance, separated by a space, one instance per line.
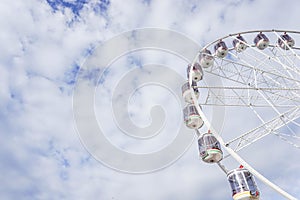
x=239 y=43
x=221 y=49
x=285 y=41
x=209 y=148
x=191 y=117
x=242 y=184
x=186 y=92
x=206 y=59
x=261 y=41
x=261 y=76
x=196 y=72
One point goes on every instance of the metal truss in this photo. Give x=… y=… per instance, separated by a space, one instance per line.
x=256 y=79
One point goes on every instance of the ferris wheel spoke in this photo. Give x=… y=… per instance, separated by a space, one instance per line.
x=274 y=58
x=238 y=158
x=294 y=136
x=277 y=80
x=287 y=135
x=288 y=66
x=248 y=96
x=274 y=78
x=296 y=124
x=235 y=71
x=292 y=49
x=284 y=137
x=265 y=129
x=262 y=78
x=288 y=95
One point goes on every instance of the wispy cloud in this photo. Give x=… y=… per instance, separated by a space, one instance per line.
x=43 y=45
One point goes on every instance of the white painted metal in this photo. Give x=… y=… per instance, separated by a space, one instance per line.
x=277 y=88
x=239 y=159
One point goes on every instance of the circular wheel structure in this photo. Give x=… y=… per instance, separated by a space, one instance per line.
x=259 y=72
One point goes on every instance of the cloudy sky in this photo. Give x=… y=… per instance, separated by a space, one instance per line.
x=44 y=43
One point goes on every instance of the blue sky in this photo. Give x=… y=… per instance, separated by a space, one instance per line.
x=43 y=45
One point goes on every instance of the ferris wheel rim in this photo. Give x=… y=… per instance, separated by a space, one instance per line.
x=259 y=89
x=216 y=134
x=247 y=32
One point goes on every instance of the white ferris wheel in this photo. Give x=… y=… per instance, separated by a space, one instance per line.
x=259 y=72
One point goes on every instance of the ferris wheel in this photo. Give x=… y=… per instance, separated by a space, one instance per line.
x=259 y=72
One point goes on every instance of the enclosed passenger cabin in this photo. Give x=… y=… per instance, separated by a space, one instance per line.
x=221 y=49
x=242 y=184
x=186 y=92
x=261 y=41
x=239 y=43
x=209 y=148
x=206 y=59
x=192 y=118
x=285 y=41
x=197 y=72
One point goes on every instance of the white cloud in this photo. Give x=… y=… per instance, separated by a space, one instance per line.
x=41 y=156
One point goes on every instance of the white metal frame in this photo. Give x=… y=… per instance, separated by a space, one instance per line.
x=268 y=87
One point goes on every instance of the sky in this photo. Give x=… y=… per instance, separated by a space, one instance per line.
x=48 y=46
